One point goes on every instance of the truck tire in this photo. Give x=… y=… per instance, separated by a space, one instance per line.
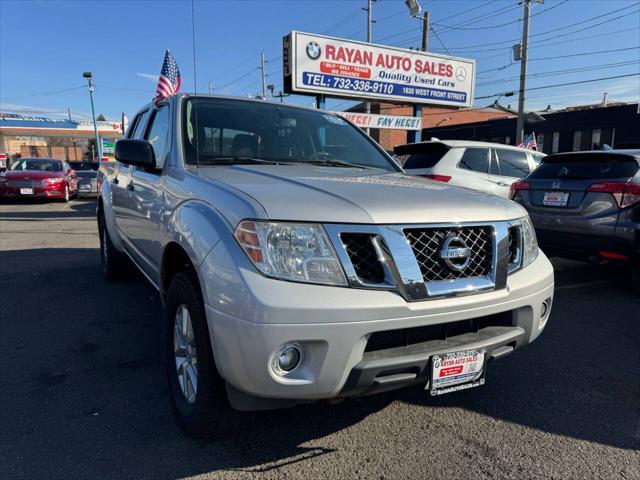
x=113 y=263
x=198 y=392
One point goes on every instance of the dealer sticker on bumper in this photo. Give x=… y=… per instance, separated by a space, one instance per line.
x=457 y=371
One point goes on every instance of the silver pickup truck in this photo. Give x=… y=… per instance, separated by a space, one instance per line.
x=297 y=262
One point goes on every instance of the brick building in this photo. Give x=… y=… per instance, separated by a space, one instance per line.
x=585 y=127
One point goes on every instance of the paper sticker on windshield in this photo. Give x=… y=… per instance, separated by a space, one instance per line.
x=335 y=119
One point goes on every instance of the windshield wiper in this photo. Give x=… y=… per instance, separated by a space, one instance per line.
x=332 y=163
x=238 y=160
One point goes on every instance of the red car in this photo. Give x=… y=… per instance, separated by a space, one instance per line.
x=39 y=178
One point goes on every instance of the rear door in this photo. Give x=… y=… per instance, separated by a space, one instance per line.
x=565 y=192
x=473 y=169
x=508 y=166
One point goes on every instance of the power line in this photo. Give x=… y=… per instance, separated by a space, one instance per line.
x=512 y=92
x=42 y=94
x=489 y=15
x=562 y=72
x=584 y=53
x=503 y=67
x=488 y=27
x=467 y=11
x=466 y=48
x=441 y=42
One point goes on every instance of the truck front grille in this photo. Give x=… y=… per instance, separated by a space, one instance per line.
x=427 y=244
x=362 y=253
x=405 y=337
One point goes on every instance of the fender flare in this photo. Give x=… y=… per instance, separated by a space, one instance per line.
x=197 y=228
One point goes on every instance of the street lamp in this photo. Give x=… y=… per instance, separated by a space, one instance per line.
x=92 y=87
x=414 y=7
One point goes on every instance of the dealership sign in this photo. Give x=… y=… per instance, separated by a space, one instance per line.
x=315 y=64
x=393 y=122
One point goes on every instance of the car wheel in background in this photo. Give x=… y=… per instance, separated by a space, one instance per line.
x=635 y=277
x=113 y=263
x=198 y=392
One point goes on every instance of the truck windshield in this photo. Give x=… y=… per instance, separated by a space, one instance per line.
x=220 y=131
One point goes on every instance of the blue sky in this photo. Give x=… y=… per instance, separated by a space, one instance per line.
x=46 y=45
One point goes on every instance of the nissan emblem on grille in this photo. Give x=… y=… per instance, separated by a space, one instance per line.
x=455 y=253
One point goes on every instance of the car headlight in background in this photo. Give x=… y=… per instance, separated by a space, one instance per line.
x=529 y=242
x=291 y=251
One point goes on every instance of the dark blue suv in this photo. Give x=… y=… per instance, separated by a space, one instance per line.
x=586 y=206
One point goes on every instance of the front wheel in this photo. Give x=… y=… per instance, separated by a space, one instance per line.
x=197 y=390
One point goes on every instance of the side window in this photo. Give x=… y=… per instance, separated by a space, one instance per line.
x=158 y=135
x=138 y=132
x=132 y=126
x=493 y=166
x=513 y=163
x=475 y=159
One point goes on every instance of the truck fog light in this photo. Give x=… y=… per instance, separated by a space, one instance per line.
x=545 y=310
x=287 y=359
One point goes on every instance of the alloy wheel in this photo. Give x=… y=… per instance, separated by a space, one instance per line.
x=185 y=354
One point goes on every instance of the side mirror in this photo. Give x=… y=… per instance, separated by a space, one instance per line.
x=138 y=153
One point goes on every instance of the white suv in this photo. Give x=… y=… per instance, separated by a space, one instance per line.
x=488 y=167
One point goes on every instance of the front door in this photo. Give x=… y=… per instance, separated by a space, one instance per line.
x=146 y=198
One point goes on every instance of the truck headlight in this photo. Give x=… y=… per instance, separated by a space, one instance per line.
x=291 y=251
x=529 y=242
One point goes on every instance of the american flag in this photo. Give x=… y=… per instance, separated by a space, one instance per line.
x=529 y=142
x=169 y=81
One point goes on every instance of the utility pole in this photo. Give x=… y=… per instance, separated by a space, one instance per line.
x=92 y=87
x=425 y=31
x=69 y=113
x=413 y=135
x=367 y=105
x=210 y=87
x=523 y=72
x=264 y=78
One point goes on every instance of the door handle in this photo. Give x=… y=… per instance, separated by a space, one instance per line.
x=130 y=187
x=502 y=184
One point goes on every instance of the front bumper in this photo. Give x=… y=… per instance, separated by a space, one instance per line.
x=50 y=191
x=583 y=246
x=250 y=317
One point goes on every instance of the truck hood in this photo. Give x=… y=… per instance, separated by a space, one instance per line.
x=347 y=195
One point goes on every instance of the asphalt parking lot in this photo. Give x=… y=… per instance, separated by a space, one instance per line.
x=83 y=391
